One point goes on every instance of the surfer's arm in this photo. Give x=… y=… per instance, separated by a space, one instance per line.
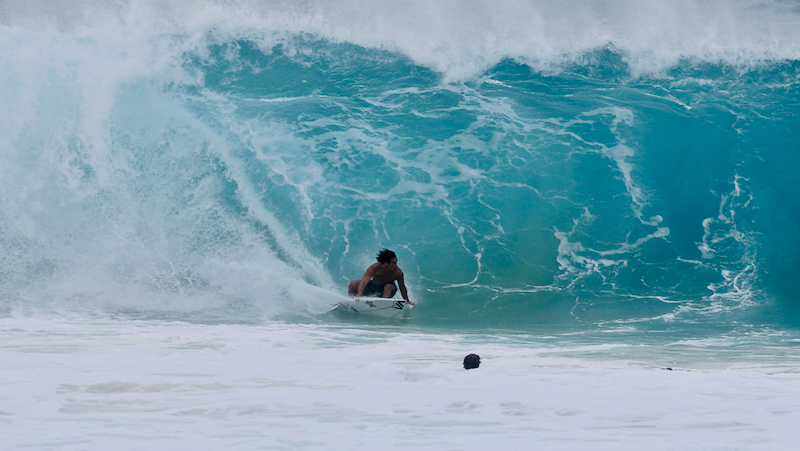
x=403 y=291
x=365 y=280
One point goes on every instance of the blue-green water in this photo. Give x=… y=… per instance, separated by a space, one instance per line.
x=597 y=197
x=237 y=170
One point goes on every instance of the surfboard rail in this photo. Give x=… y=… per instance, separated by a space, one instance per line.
x=382 y=307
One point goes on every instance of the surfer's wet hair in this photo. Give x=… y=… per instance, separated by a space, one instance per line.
x=472 y=361
x=385 y=256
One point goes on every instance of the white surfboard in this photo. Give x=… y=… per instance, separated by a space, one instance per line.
x=382 y=307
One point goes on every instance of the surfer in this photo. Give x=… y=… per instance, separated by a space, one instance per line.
x=472 y=361
x=379 y=279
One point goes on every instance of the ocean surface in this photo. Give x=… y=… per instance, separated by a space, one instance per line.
x=600 y=198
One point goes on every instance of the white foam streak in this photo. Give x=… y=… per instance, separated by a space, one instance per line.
x=720 y=235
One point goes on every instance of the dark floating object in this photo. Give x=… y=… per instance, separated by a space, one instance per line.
x=668 y=369
x=472 y=361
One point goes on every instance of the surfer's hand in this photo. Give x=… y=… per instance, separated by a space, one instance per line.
x=410 y=303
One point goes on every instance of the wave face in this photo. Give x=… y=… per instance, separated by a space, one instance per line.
x=614 y=163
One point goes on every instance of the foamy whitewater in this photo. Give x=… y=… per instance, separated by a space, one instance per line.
x=598 y=198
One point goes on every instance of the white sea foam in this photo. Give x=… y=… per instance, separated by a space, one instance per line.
x=128 y=385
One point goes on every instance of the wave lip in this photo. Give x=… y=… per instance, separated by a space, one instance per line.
x=461 y=40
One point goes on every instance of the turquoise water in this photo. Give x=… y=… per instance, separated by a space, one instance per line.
x=243 y=163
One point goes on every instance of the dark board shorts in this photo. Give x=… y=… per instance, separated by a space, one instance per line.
x=374 y=290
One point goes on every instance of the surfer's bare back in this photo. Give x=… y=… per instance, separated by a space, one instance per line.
x=379 y=279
